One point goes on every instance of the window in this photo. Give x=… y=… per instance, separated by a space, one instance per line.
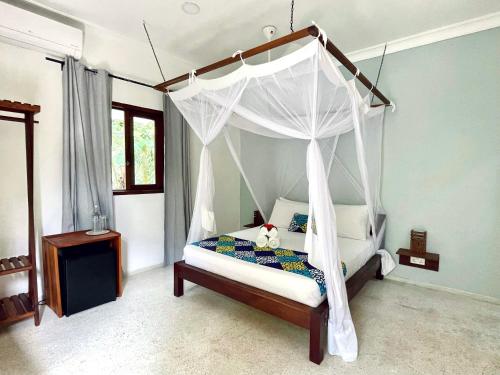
x=137 y=149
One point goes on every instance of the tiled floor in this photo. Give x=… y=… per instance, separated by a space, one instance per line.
x=401 y=329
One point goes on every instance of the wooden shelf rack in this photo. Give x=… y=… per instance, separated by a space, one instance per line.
x=15 y=308
x=14 y=264
x=24 y=305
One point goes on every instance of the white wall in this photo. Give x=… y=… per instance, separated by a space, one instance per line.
x=25 y=76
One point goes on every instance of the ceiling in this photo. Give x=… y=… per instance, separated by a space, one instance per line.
x=223 y=26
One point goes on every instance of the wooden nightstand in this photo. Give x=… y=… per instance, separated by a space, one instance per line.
x=50 y=247
x=257 y=220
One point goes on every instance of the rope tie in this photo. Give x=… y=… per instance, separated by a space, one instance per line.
x=379 y=70
x=358 y=72
x=239 y=52
x=393 y=106
x=192 y=76
x=371 y=88
x=321 y=33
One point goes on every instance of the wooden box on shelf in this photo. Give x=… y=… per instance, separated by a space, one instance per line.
x=50 y=247
x=417 y=255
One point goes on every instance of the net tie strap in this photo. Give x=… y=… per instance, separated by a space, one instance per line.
x=393 y=105
x=192 y=76
x=239 y=52
x=321 y=33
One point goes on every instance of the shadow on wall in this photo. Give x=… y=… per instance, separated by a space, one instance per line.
x=125 y=254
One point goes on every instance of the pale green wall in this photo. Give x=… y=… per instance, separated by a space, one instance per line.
x=441 y=157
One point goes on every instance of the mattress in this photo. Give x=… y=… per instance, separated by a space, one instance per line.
x=354 y=253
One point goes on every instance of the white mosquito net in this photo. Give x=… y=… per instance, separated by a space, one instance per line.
x=305 y=134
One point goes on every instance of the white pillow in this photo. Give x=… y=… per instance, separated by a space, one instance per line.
x=352 y=221
x=284 y=210
x=301 y=205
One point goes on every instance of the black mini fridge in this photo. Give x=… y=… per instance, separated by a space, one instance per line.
x=88 y=276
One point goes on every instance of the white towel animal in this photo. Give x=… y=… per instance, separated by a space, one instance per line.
x=262 y=241
x=274 y=242
x=268 y=236
x=263 y=231
x=273 y=233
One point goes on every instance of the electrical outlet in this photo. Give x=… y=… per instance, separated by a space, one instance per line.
x=416 y=260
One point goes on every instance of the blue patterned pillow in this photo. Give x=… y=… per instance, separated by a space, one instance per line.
x=298 y=223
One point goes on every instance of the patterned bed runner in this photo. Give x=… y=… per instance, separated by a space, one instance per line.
x=282 y=259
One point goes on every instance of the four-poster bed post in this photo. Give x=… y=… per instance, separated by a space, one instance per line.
x=308 y=31
x=24 y=305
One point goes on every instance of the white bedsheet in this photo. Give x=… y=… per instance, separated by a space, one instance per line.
x=354 y=253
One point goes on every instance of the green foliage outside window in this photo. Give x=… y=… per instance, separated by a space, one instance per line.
x=144 y=151
x=143 y=147
x=118 y=150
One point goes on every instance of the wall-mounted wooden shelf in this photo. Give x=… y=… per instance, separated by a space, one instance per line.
x=424 y=260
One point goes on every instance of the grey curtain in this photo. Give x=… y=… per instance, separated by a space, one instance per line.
x=178 y=206
x=86 y=146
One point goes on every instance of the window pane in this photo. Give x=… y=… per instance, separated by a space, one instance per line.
x=118 y=148
x=144 y=151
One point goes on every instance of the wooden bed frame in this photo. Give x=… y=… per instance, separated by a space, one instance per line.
x=312 y=318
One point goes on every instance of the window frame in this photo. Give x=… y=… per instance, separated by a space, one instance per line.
x=131 y=111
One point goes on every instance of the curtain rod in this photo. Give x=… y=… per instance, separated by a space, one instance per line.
x=60 y=62
x=296 y=35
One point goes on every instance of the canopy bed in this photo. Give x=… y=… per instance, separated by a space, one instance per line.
x=302 y=137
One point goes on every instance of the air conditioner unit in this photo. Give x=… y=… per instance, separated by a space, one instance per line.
x=30 y=30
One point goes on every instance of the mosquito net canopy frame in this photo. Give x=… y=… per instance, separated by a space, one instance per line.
x=302 y=105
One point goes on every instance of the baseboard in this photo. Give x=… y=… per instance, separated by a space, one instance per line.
x=475 y=296
x=144 y=269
